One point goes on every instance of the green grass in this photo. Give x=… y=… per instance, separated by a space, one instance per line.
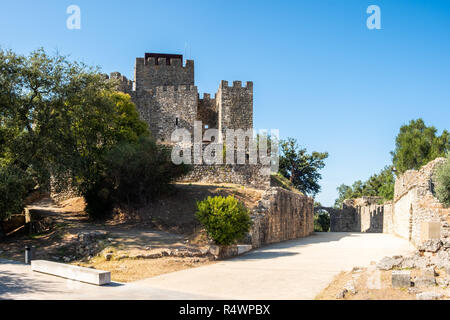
x=277 y=180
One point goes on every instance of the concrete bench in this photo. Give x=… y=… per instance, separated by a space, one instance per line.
x=88 y=275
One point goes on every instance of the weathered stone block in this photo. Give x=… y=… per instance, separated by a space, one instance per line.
x=401 y=279
x=387 y=263
x=429 y=296
x=425 y=282
x=430 y=231
x=88 y=275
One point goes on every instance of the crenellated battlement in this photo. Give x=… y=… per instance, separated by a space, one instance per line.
x=207 y=96
x=158 y=69
x=125 y=84
x=236 y=85
x=165 y=94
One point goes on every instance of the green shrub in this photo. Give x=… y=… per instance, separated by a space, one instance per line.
x=225 y=219
x=133 y=174
x=14 y=187
x=442 y=182
x=322 y=221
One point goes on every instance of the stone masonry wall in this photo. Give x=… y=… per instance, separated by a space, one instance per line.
x=167 y=107
x=281 y=215
x=360 y=215
x=148 y=74
x=235 y=104
x=244 y=174
x=413 y=204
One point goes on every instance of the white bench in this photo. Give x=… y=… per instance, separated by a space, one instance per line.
x=88 y=275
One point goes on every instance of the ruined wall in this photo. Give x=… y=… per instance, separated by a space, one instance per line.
x=148 y=74
x=255 y=176
x=281 y=215
x=361 y=215
x=415 y=203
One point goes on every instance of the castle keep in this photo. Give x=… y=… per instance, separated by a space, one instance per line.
x=165 y=95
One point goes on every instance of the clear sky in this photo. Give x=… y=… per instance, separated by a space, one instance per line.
x=320 y=75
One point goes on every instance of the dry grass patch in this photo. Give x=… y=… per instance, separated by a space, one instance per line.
x=128 y=270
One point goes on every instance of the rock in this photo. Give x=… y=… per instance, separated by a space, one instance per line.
x=441 y=259
x=446 y=244
x=429 y=296
x=401 y=279
x=413 y=290
x=357 y=269
x=429 y=272
x=425 y=281
x=350 y=287
x=108 y=256
x=387 y=263
x=432 y=245
x=443 y=282
x=66 y=259
x=341 y=294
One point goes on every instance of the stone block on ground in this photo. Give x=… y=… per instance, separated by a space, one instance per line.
x=387 y=263
x=425 y=282
x=67 y=271
x=429 y=296
x=432 y=245
x=401 y=279
x=430 y=231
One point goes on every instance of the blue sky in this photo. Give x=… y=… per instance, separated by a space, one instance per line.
x=320 y=75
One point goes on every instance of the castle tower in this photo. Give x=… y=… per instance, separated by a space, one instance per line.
x=235 y=106
x=158 y=69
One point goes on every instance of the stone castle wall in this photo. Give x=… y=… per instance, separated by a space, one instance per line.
x=360 y=215
x=281 y=215
x=148 y=74
x=166 y=108
x=235 y=104
x=413 y=204
x=255 y=176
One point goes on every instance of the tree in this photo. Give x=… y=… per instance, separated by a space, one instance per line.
x=321 y=219
x=442 y=182
x=416 y=145
x=378 y=185
x=59 y=119
x=301 y=168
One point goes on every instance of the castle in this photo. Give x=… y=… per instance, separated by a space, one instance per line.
x=165 y=95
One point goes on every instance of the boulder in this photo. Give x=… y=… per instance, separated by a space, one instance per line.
x=432 y=245
x=425 y=282
x=429 y=296
x=401 y=279
x=350 y=287
x=387 y=263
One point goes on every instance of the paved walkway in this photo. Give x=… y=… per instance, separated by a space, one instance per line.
x=297 y=269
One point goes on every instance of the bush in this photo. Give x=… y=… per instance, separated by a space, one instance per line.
x=225 y=219
x=322 y=222
x=442 y=184
x=14 y=187
x=134 y=174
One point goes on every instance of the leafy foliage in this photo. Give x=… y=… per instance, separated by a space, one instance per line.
x=416 y=145
x=64 y=120
x=225 y=219
x=442 y=182
x=301 y=168
x=321 y=219
x=14 y=187
x=140 y=172
x=381 y=185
